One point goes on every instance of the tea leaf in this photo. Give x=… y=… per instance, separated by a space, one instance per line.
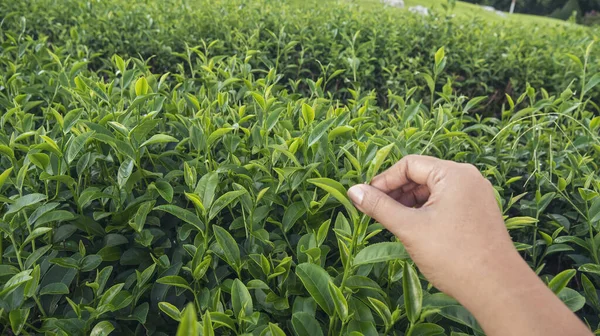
x=306 y=325
x=241 y=299
x=380 y=252
x=294 y=212
x=229 y=246
x=189 y=324
x=413 y=293
x=158 y=138
x=185 y=215
x=336 y=190
x=103 y=328
x=316 y=281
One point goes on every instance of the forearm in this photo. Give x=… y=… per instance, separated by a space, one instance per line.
x=510 y=299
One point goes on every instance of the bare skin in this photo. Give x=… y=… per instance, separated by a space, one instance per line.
x=446 y=215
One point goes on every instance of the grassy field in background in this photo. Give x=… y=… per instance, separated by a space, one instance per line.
x=468 y=10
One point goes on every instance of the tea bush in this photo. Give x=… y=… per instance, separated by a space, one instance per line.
x=177 y=166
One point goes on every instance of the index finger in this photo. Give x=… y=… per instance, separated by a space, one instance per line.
x=411 y=168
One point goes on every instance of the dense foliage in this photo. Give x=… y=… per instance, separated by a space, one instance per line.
x=162 y=155
x=556 y=8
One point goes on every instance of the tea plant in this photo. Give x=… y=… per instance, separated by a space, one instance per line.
x=212 y=199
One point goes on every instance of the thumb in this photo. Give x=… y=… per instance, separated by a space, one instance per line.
x=376 y=204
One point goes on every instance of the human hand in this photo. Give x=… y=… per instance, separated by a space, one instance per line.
x=446 y=215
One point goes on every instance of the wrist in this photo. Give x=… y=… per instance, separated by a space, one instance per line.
x=505 y=275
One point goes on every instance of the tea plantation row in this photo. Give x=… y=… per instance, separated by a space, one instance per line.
x=162 y=155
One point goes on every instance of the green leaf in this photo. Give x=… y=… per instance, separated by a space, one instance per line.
x=378 y=160
x=305 y=324
x=590 y=291
x=229 y=247
x=36 y=233
x=272 y=330
x=294 y=212
x=561 y=280
x=53 y=216
x=189 y=323
x=460 y=315
x=207 y=187
x=165 y=190
x=174 y=280
x=380 y=252
x=40 y=160
x=25 y=201
x=159 y=138
x=141 y=86
x=241 y=300
x=308 y=114
x=15 y=281
x=382 y=310
x=413 y=293
x=139 y=220
x=594 y=211
x=216 y=135
x=336 y=190
x=425 y=329
x=319 y=131
x=57 y=288
x=4 y=176
x=224 y=201
x=339 y=131
x=185 y=215
x=142 y=278
x=70 y=119
x=103 y=328
x=439 y=55
x=170 y=310
x=316 y=281
x=572 y=299
x=76 y=146
x=18 y=318
x=207 y=325
x=339 y=301
x=520 y=222
x=125 y=170
x=591 y=83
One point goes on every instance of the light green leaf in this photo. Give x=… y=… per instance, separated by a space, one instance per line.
x=141 y=86
x=335 y=189
x=170 y=310
x=413 y=293
x=561 y=280
x=159 y=138
x=378 y=160
x=214 y=136
x=381 y=252
x=103 y=328
x=189 y=323
x=5 y=174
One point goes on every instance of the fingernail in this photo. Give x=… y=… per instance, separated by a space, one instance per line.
x=356 y=194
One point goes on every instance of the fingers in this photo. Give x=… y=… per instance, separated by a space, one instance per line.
x=419 y=169
x=396 y=217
